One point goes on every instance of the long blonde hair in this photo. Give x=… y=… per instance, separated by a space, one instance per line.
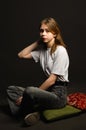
x=55 y=29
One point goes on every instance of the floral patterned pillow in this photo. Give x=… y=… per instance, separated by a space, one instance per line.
x=77 y=100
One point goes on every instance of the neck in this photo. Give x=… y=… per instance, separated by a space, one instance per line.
x=50 y=43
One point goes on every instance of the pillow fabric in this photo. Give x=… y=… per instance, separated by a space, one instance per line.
x=54 y=114
x=77 y=100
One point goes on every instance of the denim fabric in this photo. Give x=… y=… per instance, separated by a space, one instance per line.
x=13 y=93
x=33 y=97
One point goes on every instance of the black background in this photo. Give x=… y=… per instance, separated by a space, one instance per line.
x=19 y=23
x=19 y=20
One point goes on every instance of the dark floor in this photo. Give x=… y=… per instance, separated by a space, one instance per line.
x=77 y=122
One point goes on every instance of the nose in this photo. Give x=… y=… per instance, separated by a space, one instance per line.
x=44 y=32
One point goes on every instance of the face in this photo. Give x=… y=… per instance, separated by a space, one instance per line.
x=46 y=35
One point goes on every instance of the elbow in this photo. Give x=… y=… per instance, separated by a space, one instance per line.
x=20 y=55
x=52 y=82
x=52 y=79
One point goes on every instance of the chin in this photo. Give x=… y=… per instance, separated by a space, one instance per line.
x=45 y=40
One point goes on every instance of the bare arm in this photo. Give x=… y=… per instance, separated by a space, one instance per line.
x=49 y=82
x=25 y=53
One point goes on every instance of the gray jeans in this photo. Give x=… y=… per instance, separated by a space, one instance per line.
x=36 y=99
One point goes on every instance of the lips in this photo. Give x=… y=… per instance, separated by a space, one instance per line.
x=44 y=38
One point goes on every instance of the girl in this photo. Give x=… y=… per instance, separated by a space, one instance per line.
x=50 y=51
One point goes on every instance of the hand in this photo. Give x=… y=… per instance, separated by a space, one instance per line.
x=19 y=100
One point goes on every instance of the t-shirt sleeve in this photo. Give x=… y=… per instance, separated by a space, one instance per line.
x=61 y=62
x=35 y=55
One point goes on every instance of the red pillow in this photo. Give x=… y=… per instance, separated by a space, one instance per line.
x=77 y=100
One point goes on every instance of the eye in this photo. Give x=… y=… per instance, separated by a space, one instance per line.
x=41 y=30
x=44 y=30
x=47 y=30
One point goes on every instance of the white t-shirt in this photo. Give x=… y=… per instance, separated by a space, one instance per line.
x=57 y=63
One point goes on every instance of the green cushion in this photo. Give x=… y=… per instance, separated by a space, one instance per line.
x=55 y=114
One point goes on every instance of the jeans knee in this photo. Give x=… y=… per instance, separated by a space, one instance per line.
x=29 y=91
